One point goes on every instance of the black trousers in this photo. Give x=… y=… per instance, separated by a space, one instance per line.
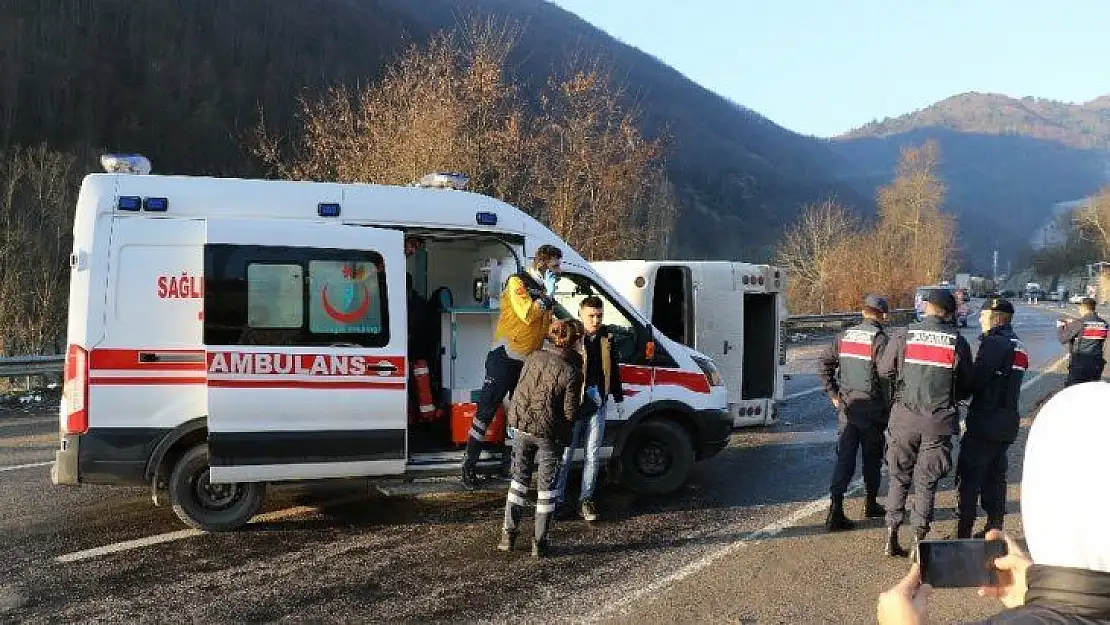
x=502 y=375
x=981 y=477
x=543 y=455
x=920 y=460
x=854 y=438
x=1084 y=369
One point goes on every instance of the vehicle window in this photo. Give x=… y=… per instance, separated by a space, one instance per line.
x=345 y=298
x=571 y=289
x=275 y=296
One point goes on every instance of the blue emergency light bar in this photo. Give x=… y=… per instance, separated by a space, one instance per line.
x=327 y=210
x=156 y=204
x=486 y=218
x=130 y=203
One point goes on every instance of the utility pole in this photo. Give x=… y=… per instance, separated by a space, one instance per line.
x=994 y=268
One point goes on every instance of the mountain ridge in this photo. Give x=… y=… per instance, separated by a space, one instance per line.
x=1085 y=125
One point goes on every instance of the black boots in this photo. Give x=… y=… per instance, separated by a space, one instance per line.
x=507 y=540
x=539 y=548
x=992 y=524
x=836 y=521
x=872 y=509
x=470 y=479
x=893 y=549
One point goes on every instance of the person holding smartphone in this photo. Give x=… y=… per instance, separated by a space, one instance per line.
x=992 y=419
x=1065 y=577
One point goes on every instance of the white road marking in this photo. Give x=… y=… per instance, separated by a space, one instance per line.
x=816 y=506
x=1047 y=370
x=621 y=605
x=808 y=391
x=158 y=539
x=27 y=466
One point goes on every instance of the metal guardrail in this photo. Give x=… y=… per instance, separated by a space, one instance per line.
x=31 y=365
x=840 y=320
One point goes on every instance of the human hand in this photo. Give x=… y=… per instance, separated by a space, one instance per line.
x=835 y=402
x=1011 y=573
x=549 y=281
x=907 y=602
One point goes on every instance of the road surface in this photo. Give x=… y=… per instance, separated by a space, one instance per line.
x=742 y=542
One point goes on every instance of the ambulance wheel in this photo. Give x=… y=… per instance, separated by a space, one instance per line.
x=657 y=458
x=206 y=506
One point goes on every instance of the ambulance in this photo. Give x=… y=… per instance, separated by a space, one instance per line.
x=730 y=311
x=228 y=333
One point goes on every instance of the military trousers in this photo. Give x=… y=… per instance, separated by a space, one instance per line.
x=918 y=460
x=865 y=439
x=981 y=477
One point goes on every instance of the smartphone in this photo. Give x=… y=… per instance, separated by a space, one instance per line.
x=959 y=563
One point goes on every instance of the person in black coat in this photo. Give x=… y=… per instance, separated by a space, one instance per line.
x=544 y=407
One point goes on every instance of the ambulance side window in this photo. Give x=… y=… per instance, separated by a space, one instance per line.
x=282 y=296
x=275 y=296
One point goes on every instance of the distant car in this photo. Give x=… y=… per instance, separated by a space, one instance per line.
x=1054 y=296
x=1075 y=299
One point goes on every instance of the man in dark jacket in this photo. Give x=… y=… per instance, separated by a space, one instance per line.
x=930 y=364
x=992 y=419
x=862 y=399
x=1086 y=341
x=601 y=379
x=544 y=406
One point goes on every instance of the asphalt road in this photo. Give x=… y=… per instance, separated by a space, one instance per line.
x=743 y=542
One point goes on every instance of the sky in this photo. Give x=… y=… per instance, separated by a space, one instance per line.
x=822 y=67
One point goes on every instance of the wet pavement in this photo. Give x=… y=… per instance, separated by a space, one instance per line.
x=742 y=542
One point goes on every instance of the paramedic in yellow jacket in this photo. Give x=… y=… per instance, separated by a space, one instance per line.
x=527 y=307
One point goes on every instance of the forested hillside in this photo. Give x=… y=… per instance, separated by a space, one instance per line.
x=1005 y=160
x=186 y=82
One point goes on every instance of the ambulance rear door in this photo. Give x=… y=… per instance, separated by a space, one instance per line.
x=305 y=338
x=719 y=321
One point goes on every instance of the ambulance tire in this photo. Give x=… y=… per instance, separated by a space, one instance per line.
x=657 y=457
x=213 y=508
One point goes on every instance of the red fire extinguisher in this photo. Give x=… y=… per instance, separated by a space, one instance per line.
x=422 y=377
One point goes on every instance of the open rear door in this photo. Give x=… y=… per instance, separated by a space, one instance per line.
x=305 y=334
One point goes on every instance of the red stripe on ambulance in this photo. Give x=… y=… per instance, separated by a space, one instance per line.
x=129 y=360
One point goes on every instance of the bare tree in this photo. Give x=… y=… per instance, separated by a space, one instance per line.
x=38 y=193
x=580 y=163
x=1094 y=221
x=806 y=250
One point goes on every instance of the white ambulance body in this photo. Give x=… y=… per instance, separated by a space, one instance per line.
x=225 y=333
x=729 y=311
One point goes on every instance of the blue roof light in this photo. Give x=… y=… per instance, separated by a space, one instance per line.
x=156 y=204
x=486 y=218
x=130 y=203
x=325 y=209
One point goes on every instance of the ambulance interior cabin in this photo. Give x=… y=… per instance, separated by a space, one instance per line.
x=454 y=303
